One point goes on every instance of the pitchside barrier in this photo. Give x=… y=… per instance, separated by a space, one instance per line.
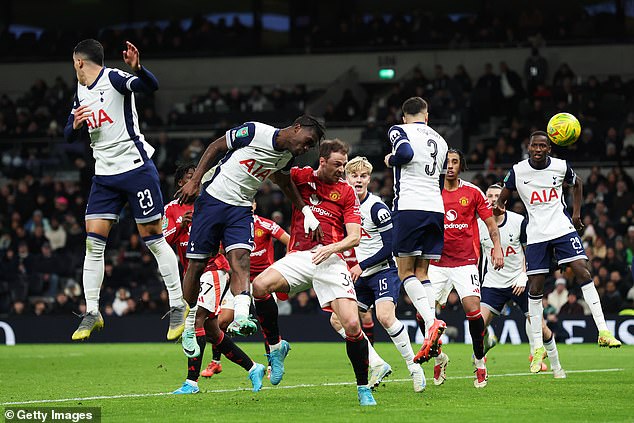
x=300 y=328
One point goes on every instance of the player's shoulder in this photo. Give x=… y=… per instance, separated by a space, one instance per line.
x=514 y=218
x=171 y=205
x=559 y=164
x=263 y=221
x=302 y=175
x=374 y=201
x=470 y=187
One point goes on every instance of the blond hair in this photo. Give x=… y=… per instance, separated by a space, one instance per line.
x=359 y=164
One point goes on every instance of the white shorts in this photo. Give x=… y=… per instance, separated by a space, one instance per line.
x=212 y=285
x=330 y=279
x=465 y=279
x=227 y=299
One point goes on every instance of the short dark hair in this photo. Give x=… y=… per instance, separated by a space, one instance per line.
x=414 y=106
x=539 y=134
x=181 y=171
x=327 y=147
x=91 y=49
x=311 y=122
x=463 y=161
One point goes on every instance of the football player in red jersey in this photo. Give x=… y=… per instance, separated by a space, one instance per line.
x=176 y=226
x=319 y=264
x=457 y=267
x=262 y=256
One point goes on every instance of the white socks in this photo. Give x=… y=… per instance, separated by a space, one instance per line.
x=553 y=354
x=93 y=270
x=418 y=294
x=529 y=335
x=168 y=267
x=190 y=320
x=536 y=313
x=400 y=337
x=241 y=302
x=591 y=296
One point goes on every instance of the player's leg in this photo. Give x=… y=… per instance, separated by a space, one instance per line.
x=538 y=257
x=491 y=304
x=591 y=296
x=378 y=368
x=366 y=296
x=422 y=274
x=97 y=231
x=102 y=211
x=356 y=345
x=386 y=315
x=190 y=386
x=291 y=274
x=239 y=260
x=367 y=324
x=152 y=235
x=471 y=306
x=553 y=353
x=224 y=319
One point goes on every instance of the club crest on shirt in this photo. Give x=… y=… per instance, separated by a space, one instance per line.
x=259 y=232
x=464 y=201
x=334 y=196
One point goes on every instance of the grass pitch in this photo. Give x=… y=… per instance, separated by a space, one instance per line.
x=131 y=382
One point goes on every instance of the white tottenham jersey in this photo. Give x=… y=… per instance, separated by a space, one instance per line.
x=417 y=183
x=251 y=158
x=116 y=140
x=512 y=236
x=375 y=219
x=541 y=191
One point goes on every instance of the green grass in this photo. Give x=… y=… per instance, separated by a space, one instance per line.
x=46 y=372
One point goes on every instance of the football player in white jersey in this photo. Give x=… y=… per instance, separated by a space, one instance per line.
x=104 y=108
x=418 y=159
x=539 y=182
x=375 y=276
x=509 y=283
x=252 y=152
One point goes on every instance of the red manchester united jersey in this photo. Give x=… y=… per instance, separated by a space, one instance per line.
x=462 y=239
x=178 y=237
x=262 y=256
x=333 y=205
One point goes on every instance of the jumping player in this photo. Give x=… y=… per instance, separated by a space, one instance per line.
x=539 y=182
x=509 y=283
x=104 y=109
x=320 y=265
x=252 y=152
x=176 y=226
x=418 y=160
x=457 y=267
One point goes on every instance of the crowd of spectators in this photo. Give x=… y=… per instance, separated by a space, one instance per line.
x=492 y=27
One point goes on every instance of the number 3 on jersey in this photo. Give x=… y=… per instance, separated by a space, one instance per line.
x=430 y=171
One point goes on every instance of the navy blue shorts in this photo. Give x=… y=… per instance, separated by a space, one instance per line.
x=418 y=233
x=567 y=248
x=214 y=222
x=384 y=285
x=495 y=298
x=139 y=187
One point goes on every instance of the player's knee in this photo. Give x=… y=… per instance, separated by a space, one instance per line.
x=95 y=246
x=260 y=287
x=225 y=318
x=334 y=322
x=350 y=324
x=239 y=259
x=385 y=318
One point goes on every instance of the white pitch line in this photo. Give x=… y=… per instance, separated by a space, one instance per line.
x=217 y=391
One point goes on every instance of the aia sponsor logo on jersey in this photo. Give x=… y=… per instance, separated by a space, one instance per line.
x=544 y=196
x=101 y=118
x=258 y=172
x=509 y=251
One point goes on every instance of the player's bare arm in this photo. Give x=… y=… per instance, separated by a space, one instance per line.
x=499 y=208
x=188 y=192
x=497 y=256
x=131 y=56
x=289 y=189
x=577 y=196
x=351 y=240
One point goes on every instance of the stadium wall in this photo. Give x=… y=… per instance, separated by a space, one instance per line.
x=179 y=78
x=313 y=328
